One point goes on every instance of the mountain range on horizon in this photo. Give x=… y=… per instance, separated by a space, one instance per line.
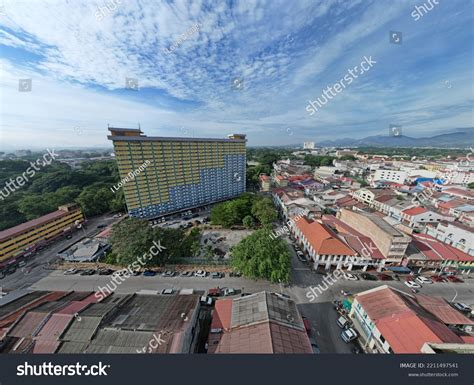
x=461 y=138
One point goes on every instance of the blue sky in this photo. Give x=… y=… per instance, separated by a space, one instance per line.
x=79 y=53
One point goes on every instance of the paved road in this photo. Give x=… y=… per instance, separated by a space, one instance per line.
x=322 y=315
x=34 y=270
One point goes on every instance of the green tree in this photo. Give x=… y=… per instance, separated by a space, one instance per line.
x=261 y=256
x=471 y=185
x=95 y=199
x=248 y=222
x=264 y=210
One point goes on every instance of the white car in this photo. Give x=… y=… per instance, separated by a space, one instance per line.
x=412 y=285
x=348 y=335
x=229 y=291
x=423 y=280
x=462 y=307
x=349 y=276
x=200 y=273
x=342 y=322
x=70 y=271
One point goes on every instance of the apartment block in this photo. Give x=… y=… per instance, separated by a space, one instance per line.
x=22 y=239
x=180 y=173
x=391 y=242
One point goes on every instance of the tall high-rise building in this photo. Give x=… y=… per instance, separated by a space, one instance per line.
x=308 y=145
x=161 y=175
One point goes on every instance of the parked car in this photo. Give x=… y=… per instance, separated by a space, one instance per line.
x=216 y=275
x=101 y=226
x=314 y=345
x=342 y=322
x=307 y=325
x=422 y=280
x=70 y=271
x=384 y=277
x=368 y=277
x=301 y=256
x=167 y=291
x=206 y=301
x=349 y=276
x=215 y=292
x=186 y=274
x=105 y=271
x=412 y=284
x=149 y=273
x=168 y=274
x=234 y=274
x=438 y=278
x=88 y=272
x=229 y=291
x=348 y=335
x=282 y=295
x=200 y=273
x=462 y=307
x=453 y=278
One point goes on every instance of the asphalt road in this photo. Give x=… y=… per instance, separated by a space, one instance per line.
x=34 y=271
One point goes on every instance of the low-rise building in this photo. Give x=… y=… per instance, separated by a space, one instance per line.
x=24 y=239
x=390 y=321
x=264 y=182
x=455 y=234
x=258 y=323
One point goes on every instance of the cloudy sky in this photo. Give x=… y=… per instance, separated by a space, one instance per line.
x=208 y=68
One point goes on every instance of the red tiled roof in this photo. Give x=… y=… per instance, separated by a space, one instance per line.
x=403 y=323
x=323 y=240
x=442 y=310
x=264 y=178
x=415 y=211
x=434 y=249
x=222 y=316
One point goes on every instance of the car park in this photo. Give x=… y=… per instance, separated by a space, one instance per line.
x=70 y=271
x=462 y=307
x=149 y=273
x=342 y=322
x=368 y=277
x=200 y=273
x=348 y=335
x=412 y=285
x=422 y=280
x=88 y=272
x=349 y=276
x=167 y=291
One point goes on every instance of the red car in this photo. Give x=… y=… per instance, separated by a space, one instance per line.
x=437 y=278
x=307 y=325
x=384 y=277
x=455 y=279
x=216 y=292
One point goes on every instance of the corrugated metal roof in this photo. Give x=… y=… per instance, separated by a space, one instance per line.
x=45 y=347
x=28 y=325
x=82 y=329
x=72 y=347
x=54 y=327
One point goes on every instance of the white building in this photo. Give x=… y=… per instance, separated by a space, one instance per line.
x=390 y=176
x=308 y=145
x=454 y=234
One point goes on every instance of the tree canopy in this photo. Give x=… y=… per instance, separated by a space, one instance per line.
x=261 y=256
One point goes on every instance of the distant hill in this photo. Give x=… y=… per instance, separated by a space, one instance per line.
x=459 y=139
